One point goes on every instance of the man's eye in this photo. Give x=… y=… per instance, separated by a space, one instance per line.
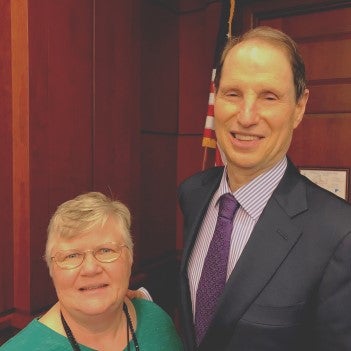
x=232 y=93
x=270 y=96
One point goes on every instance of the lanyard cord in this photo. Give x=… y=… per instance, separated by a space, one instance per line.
x=73 y=340
x=130 y=326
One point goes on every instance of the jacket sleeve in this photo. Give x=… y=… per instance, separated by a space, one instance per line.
x=333 y=313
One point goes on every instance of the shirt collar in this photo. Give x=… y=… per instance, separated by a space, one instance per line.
x=254 y=195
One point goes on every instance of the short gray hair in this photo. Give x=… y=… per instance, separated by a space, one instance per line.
x=82 y=214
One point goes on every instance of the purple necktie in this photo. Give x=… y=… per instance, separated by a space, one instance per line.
x=214 y=272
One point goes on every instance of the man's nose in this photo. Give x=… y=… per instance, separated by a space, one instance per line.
x=248 y=112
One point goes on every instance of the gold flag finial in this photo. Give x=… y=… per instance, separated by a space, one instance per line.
x=231 y=16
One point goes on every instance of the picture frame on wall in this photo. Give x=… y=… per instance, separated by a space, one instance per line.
x=335 y=180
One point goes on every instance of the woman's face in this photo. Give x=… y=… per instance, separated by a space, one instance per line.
x=93 y=288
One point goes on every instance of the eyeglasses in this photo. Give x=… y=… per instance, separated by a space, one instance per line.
x=105 y=253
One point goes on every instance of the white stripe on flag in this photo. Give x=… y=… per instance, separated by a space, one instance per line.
x=211 y=99
x=209 y=122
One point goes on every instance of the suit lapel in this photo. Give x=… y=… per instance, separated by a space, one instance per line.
x=199 y=200
x=270 y=242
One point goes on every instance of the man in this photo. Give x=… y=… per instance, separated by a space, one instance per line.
x=288 y=274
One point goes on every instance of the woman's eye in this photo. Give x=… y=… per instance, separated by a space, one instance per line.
x=72 y=256
x=104 y=250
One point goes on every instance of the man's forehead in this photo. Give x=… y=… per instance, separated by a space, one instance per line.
x=257 y=46
x=260 y=52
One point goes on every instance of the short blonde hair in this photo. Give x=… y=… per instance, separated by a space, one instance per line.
x=82 y=214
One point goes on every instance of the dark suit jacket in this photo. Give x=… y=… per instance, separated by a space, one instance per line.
x=291 y=288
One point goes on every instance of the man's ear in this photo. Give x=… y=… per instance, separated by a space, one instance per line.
x=300 y=107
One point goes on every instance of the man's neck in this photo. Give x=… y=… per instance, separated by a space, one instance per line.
x=238 y=177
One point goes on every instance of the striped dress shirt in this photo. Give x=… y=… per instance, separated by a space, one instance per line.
x=252 y=198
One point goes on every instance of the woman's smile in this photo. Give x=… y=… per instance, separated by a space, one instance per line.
x=93 y=287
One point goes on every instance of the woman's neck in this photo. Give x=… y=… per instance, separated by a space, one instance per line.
x=102 y=332
x=93 y=324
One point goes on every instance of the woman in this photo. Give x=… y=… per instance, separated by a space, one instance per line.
x=89 y=252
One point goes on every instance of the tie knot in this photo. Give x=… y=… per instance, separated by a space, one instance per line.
x=227 y=206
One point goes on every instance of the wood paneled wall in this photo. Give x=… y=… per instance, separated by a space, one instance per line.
x=98 y=95
x=112 y=96
x=178 y=50
x=177 y=56
x=69 y=124
x=6 y=229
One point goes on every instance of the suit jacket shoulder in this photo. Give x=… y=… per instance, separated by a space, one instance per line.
x=202 y=183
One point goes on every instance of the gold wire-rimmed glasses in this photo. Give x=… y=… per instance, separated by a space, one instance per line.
x=73 y=258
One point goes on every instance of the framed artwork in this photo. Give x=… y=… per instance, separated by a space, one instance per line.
x=335 y=180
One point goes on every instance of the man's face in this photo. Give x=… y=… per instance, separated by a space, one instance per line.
x=255 y=107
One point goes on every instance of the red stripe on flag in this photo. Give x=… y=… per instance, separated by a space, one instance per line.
x=209 y=133
x=210 y=110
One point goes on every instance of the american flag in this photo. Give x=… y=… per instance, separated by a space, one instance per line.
x=209 y=142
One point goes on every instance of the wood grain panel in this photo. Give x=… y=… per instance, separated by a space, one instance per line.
x=117 y=100
x=190 y=155
x=197 y=42
x=331 y=23
x=20 y=139
x=323 y=140
x=324 y=99
x=60 y=56
x=158 y=203
x=6 y=267
x=327 y=59
x=159 y=69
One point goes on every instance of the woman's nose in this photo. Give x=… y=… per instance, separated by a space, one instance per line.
x=90 y=263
